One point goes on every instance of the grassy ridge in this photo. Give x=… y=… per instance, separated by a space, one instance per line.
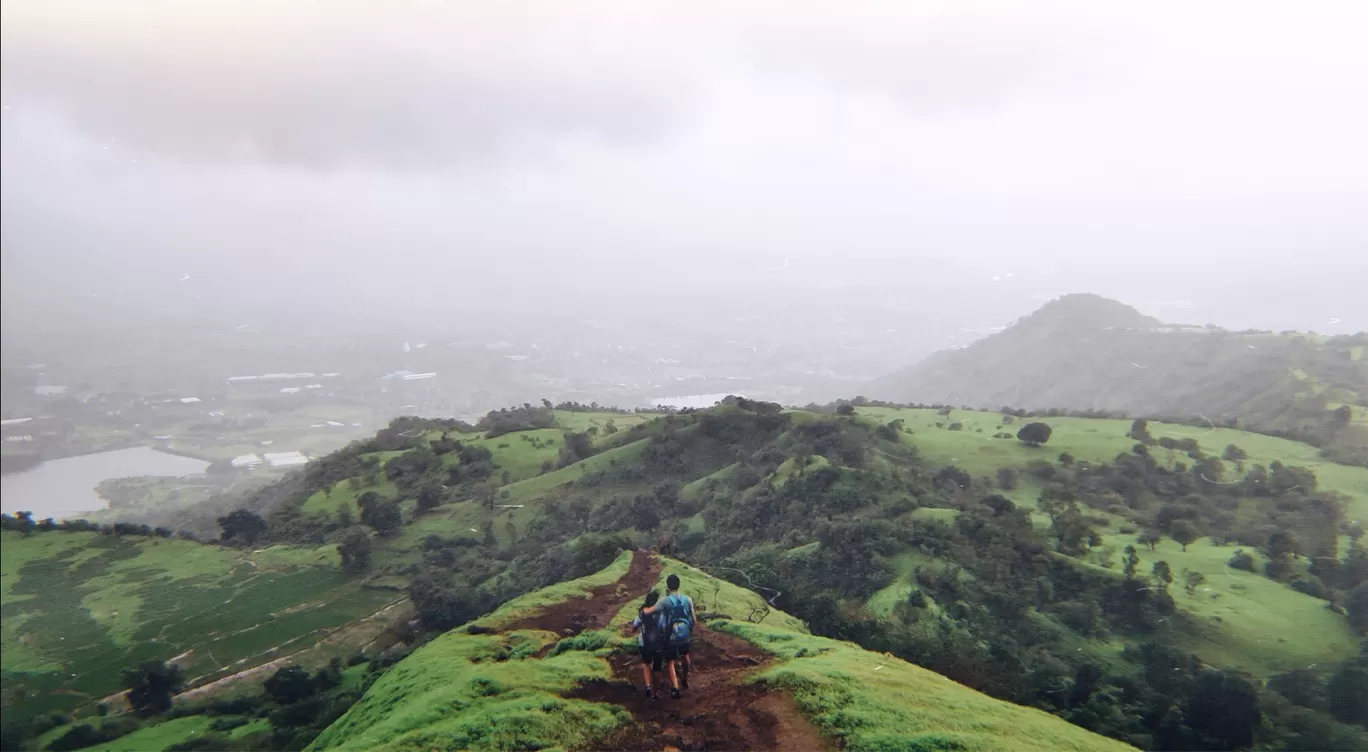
x=490 y=691
x=464 y=691
x=871 y=702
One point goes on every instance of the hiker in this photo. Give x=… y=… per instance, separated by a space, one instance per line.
x=651 y=639
x=679 y=621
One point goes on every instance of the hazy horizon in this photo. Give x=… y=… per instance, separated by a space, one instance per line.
x=322 y=161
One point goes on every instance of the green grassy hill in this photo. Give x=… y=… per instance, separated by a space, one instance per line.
x=78 y=608
x=920 y=537
x=525 y=682
x=1083 y=352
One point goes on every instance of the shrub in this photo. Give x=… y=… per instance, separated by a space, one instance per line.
x=1242 y=560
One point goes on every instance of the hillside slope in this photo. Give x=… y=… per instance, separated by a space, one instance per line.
x=1083 y=352
x=554 y=669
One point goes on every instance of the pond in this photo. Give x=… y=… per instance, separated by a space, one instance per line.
x=66 y=487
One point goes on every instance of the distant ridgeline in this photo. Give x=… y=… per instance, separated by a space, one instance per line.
x=1084 y=352
x=1168 y=586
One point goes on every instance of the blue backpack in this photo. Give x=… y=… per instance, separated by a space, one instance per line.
x=677 y=616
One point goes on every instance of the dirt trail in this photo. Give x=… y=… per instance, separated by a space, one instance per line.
x=718 y=711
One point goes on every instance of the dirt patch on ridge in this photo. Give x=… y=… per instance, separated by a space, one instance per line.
x=719 y=711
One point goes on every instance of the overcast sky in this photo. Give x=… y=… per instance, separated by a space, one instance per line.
x=1137 y=149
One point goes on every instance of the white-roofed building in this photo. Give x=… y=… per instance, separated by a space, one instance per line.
x=285 y=459
x=247 y=460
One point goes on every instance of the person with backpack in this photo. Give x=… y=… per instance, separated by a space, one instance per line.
x=651 y=640
x=679 y=618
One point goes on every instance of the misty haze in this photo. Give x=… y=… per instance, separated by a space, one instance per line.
x=987 y=375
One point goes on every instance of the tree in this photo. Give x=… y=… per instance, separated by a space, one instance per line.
x=290 y=685
x=355 y=549
x=1183 y=532
x=1035 y=434
x=1343 y=415
x=1358 y=609
x=486 y=491
x=382 y=514
x=845 y=409
x=1006 y=478
x=1132 y=561
x=1223 y=710
x=344 y=515
x=242 y=527
x=1192 y=580
x=1163 y=573
x=1139 y=431
x=1066 y=459
x=429 y=497
x=441 y=605
x=1233 y=453
x=1347 y=692
x=151 y=685
x=1150 y=537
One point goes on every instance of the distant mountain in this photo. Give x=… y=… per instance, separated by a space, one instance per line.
x=1085 y=352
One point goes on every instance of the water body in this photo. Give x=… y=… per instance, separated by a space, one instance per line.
x=692 y=400
x=66 y=487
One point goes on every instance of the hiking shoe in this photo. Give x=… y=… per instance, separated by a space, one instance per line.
x=650 y=693
x=674 y=694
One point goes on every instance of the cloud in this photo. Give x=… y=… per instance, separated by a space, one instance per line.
x=426 y=84
x=314 y=84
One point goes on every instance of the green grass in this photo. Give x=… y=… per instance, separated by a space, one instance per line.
x=886 y=599
x=580 y=422
x=872 y=702
x=160 y=736
x=712 y=595
x=78 y=608
x=1100 y=440
x=452 y=694
x=1245 y=620
x=526 y=605
x=534 y=487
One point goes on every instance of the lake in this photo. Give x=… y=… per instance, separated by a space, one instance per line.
x=692 y=400
x=66 y=487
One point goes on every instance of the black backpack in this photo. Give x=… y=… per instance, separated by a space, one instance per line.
x=652 y=632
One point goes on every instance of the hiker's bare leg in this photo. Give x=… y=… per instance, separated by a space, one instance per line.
x=646 y=673
x=674 y=678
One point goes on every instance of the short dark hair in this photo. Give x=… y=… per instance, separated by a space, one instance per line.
x=651 y=598
x=672 y=582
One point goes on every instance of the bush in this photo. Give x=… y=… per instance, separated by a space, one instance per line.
x=151 y=685
x=1242 y=560
x=1311 y=587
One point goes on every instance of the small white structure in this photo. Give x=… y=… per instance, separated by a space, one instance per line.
x=247 y=460
x=189 y=400
x=14 y=421
x=417 y=376
x=285 y=459
x=334 y=424
x=289 y=390
x=232 y=379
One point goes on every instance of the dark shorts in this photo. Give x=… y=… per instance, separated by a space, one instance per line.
x=676 y=650
x=655 y=658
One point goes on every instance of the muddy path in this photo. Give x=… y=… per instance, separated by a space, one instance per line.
x=719 y=710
